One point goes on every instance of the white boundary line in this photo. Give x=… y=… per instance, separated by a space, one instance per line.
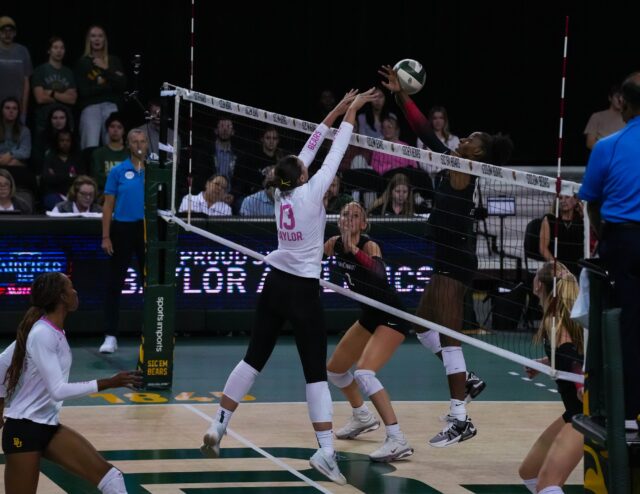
x=498 y=173
x=261 y=451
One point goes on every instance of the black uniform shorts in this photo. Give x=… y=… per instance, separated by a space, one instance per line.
x=22 y=436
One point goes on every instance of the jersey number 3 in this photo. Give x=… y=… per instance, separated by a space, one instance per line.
x=287 y=220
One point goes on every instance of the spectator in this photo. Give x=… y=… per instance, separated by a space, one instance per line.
x=224 y=155
x=612 y=186
x=570 y=234
x=355 y=157
x=152 y=130
x=326 y=103
x=248 y=173
x=15 y=145
x=104 y=158
x=333 y=199
x=9 y=202
x=261 y=203
x=53 y=86
x=123 y=230
x=605 y=122
x=59 y=118
x=396 y=200
x=15 y=67
x=101 y=84
x=382 y=162
x=439 y=118
x=370 y=120
x=211 y=201
x=61 y=167
x=81 y=197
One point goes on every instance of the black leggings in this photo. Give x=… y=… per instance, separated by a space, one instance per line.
x=290 y=298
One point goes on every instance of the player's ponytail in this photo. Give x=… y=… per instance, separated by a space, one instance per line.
x=46 y=292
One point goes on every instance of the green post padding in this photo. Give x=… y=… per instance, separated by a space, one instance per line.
x=158 y=340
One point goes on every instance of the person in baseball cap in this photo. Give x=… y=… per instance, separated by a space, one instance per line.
x=6 y=21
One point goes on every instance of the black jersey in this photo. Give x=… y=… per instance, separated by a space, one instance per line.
x=451 y=219
x=360 y=279
x=570 y=241
x=569 y=360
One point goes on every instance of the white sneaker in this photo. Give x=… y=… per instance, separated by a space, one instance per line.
x=394 y=448
x=327 y=466
x=358 y=423
x=211 y=440
x=110 y=344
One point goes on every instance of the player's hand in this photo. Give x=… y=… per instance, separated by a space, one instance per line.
x=363 y=98
x=107 y=246
x=347 y=242
x=127 y=379
x=531 y=373
x=392 y=83
x=342 y=107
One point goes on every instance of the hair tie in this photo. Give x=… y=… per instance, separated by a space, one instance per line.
x=285 y=183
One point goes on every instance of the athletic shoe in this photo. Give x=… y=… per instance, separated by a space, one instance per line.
x=456 y=431
x=358 y=423
x=394 y=448
x=211 y=441
x=327 y=466
x=110 y=344
x=473 y=387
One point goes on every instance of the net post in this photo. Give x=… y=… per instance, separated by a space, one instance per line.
x=155 y=359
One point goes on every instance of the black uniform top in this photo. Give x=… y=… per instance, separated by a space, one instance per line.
x=570 y=241
x=372 y=284
x=451 y=220
x=569 y=360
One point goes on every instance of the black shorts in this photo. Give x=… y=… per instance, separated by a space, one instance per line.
x=454 y=262
x=22 y=436
x=371 y=318
x=572 y=405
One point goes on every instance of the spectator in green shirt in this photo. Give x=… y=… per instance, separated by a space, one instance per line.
x=104 y=158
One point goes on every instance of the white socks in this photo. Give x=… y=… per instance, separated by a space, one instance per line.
x=552 y=489
x=223 y=416
x=531 y=484
x=393 y=430
x=458 y=409
x=325 y=441
x=112 y=482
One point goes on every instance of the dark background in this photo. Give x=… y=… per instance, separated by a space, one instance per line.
x=495 y=67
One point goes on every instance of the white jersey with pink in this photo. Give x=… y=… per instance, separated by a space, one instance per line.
x=300 y=214
x=44 y=381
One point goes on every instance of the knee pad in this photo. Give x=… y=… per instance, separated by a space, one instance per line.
x=240 y=381
x=430 y=339
x=367 y=382
x=340 y=380
x=319 y=402
x=453 y=360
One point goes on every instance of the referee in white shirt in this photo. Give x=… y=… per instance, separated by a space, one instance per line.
x=34 y=375
x=292 y=289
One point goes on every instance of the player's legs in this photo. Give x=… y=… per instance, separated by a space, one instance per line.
x=22 y=472
x=564 y=455
x=345 y=355
x=531 y=465
x=74 y=453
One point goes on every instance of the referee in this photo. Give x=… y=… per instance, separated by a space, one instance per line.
x=123 y=229
x=611 y=184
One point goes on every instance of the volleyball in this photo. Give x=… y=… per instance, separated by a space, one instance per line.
x=411 y=75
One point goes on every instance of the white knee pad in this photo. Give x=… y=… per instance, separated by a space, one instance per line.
x=112 y=482
x=453 y=360
x=319 y=402
x=240 y=381
x=430 y=339
x=340 y=380
x=367 y=382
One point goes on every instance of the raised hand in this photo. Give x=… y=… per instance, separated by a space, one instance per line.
x=392 y=83
x=343 y=105
x=363 y=98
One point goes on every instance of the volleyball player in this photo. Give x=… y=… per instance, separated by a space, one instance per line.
x=292 y=289
x=559 y=448
x=371 y=341
x=455 y=262
x=34 y=373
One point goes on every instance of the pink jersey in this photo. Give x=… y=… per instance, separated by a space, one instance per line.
x=300 y=214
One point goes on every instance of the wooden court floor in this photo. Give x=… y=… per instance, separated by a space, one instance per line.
x=268 y=446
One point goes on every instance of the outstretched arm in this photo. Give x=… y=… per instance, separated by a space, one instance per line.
x=417 y=120
x=315 y=140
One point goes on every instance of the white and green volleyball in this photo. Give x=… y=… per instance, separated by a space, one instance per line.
x=411 y=75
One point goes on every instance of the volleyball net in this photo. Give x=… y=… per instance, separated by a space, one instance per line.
x=394 y=181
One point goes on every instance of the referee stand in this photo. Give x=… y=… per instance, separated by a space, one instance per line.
x=611 y=455
x=158 y=335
